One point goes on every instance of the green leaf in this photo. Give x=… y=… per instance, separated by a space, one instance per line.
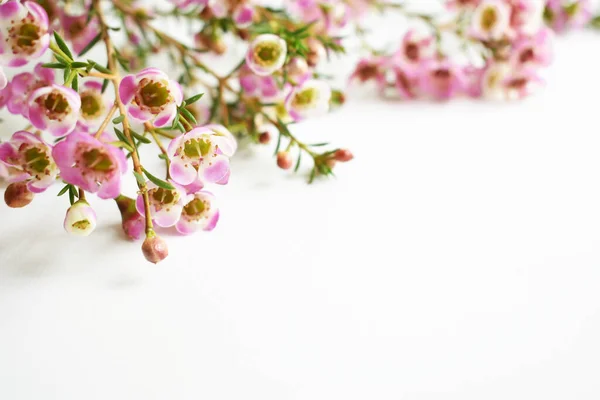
x=139 y=178
x=318 y=144
x=100 y=68
x=163 y=156
x=72 y=194
x=118 y=120
x=63 y=190
x=139 y=137
x=75 y=83
x=158 y=182
x=123 y=145
x=54 y=65
x=79 y=64
x=120 y=135
x=298 y=162
x=91 y=44
x=62 y=60
x=62 y=45
x=188 y=115
x=194 y=99
x=104 y=85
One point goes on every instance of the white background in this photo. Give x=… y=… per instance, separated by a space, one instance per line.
x=458 y=257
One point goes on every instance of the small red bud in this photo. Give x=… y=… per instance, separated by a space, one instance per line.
x=155 y=248
x=284 y=160
x=343 y=155
x=264 y=138
x=17 y=195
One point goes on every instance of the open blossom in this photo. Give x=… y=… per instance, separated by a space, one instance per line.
x=416 y=48
x=310 y=99
x=441 y=79
x=564 y=14
x=54 y=109
x=199 y=212
x=31 y=161
x=263 y=87
x=151 y=96
x=491 y=20
x=201 y=154
x=80 y=219
x=94 y=104
x=24 y=32
x=23 y=84
x=266 y=54
x=165 y=204
x=90 y=164
x=79 y=30
x=534 y=51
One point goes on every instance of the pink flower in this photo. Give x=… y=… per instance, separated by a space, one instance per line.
x=24 y=32
x=263 y=87
x=564 y=14
x=90 y=164
x=31 y=159
x=406 y=81
x=461 y=4
x=165 y=205
x=201 y=154
x=3 y=80
x=80 y=219
x=372 y=68
x=441 y=79
x=266 y=54
x=416 y=48
x=491 y=20
x=199 y=212
x=243 y=15
x=78 y=30
x=94 y=104
x=54 y=109
x=23 y=84
x=151 y=96
x=308 y=100
x=534 y=51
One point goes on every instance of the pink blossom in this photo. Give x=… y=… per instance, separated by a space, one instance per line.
x=491 y=20
x=415 y=49
x=54 y=109
x=534 y=51
x=201 y=154
x=79 y=30
x=199 y=212
x=262 y=87
x=165 y=205
x=565 y=14
x=30 y=158
x=372 y=68
x=90 y=164
x=151 y=96
x=24 y=32
x=266 y=54
x=406 y=81
x=441 y=79
x=243 y=15
x=23 y=84
x=94 y=104
x=310 y=99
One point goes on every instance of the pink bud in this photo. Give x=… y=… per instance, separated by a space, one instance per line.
x=343 y=155
x=17 y=195
x=132 y=222
x=155 y=248
x=284 y=160
x=264 y=138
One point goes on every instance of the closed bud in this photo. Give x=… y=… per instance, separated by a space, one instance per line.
x=284 y=160
x=316 y=52
x=297 y=68
x=343 y=155
x=17 y=195
x=132 y=222
x=155 y=248
x=264 y=138
x=80 y=219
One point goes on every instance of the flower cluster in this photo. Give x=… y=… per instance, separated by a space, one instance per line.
x=562 y=15
x=68 y=138
x=504 y=42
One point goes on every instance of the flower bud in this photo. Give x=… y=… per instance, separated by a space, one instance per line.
x=132 y=222
x=343 y=155
x=284 y=160
x=297 y=68
x=264 y=138
x=17 y=195
x=316 y=52
x=155 y=248
x=80 y=219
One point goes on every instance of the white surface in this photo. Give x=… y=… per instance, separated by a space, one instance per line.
x=456 y=258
